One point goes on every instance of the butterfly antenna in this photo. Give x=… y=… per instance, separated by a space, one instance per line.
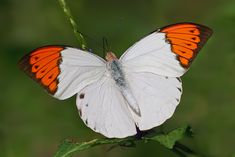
x=103 y=41
x=92 y=40
x=106 y=47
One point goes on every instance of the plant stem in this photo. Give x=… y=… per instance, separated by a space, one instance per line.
x=74 y=25
x=184 y=148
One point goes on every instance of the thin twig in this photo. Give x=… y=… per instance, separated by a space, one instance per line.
x=76 y=31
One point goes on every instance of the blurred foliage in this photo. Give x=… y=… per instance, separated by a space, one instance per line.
x=32 y=123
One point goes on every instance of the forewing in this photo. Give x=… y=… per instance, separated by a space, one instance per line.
x=62 y=71
x=157 y=97
x=103 y=109
x=169 y=51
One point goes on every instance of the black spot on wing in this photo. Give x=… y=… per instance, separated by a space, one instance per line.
x=81 y=96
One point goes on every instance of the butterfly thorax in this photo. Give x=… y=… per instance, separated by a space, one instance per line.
x=117 y=74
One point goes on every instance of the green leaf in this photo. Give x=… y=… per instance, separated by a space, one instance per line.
x=67 y=147
x=168 y=140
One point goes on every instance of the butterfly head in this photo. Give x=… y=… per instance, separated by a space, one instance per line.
x=110 y=57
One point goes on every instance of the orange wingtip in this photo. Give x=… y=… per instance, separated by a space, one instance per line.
x=186 y=40
x=42 y=65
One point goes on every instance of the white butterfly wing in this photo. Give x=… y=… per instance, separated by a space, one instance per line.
x=103 y=108
x=63 y=71
x=153 y=66
x=157 y=97
x=168 y=51
x=156 y=57
x=78 y=69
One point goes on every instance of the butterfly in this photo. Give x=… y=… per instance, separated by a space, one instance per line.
x=115 y=96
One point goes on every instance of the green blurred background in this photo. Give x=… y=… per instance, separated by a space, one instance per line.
x=33 y=123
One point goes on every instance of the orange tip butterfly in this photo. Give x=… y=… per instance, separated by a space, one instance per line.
x=115 y=96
